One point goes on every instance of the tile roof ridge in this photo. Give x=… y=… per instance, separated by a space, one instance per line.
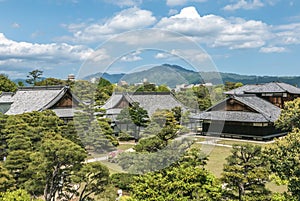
x=52 y=87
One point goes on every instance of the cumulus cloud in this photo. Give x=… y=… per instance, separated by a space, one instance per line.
x=21 y=51
x=243 y=4
x=182 y=2
x=272 y=49
x=128 y=19
x=217 y=31
x=288 y=34
x=162 y=55
x=132 y=57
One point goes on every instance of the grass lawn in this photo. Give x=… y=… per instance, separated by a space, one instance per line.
x=125 y=146
x=241 y=142
x=216 y=160
x=113 y=167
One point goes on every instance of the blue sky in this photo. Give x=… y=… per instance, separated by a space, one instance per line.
x=254 y=37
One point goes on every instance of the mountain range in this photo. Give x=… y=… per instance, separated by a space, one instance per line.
x=172 y=75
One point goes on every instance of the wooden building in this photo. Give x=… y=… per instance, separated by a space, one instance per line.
x=150 y=101
x=28 y=99
x=248 y=112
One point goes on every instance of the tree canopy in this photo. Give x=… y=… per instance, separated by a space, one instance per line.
x=6 y=85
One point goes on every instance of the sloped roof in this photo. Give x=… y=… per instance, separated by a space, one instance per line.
x=242 y=89
x=265 y=111
x=150 y=101
x=27 y=99
x=274 y=87
x=271 y=87
x=64 y=112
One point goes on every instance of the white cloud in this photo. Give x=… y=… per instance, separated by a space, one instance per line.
x=162 y=55
x=287 y=34
x=173 y=11
x=244 y=4
x=125 y=3
x=272 y=49
x=217 y=31
x=132 y=57
x=182 y=2
x=23 y=51
x=15 y=25
x=128 y=19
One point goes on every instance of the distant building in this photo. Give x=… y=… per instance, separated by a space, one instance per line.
x=39 y=98
x=150 y=101
x=249 y=111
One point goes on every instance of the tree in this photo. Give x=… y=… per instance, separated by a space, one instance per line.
x=91 y=179
x=51 y=168
x=163 y=88
x=34 y=76
x=6 y=179
x=232 y=85
x=181 y=181
x=103 y=91
x=50 y=82
x=284 y=157
x=246 y=172
x=6 y=85
x=17 y=195
x=139 y=117
x=290 y=116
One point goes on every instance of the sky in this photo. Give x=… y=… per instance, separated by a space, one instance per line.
x=61 y=37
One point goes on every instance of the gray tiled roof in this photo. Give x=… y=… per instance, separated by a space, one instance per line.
x=27 y=99
x=265 y=111
x=64 y=112
x=236 y=116
x=242 y=89
x=150 y=101
x=271 y=87
x=274 y=87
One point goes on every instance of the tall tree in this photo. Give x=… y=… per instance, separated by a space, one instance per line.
x=284 y=157
x=139 y=116
x=34 y=76
x=51 y=168
x=91 y=180
x=290 y=116
x=6 y=85
x=246 y=172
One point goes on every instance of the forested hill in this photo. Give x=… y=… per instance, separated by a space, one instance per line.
x=172 y=75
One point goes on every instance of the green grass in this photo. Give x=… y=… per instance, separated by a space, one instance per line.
x=125 y=146
x=232 y=142
x=113 y=167
x=216 y=160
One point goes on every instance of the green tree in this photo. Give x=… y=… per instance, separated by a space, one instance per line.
x=232 y=85
x=139 y=117
x=284 y=157
x=6 y=179
x=51 y=82
x=184 y=180
x=34 y=76
x=91 y=180
x=246 y=173
x=163 y=88
x=290 y=116
x=6 y=85
x=103 y=91
x=17 y=195
x=51 y=168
